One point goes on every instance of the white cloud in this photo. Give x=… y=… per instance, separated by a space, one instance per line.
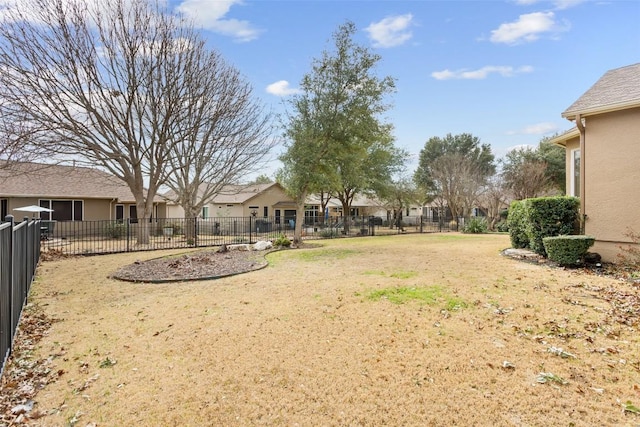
x=481 y=73
x=544 y=128
x=281 y=88
x=566 y=4
x=210 y=15
x=527 y=28
x=391 y=31
x=558 y=4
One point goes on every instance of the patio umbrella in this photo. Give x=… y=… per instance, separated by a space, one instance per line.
x=33 y=208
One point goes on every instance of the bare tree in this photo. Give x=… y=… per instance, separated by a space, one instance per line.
x=16 y=138
x=494 y=199
x=103 y=82
x=458 y=181
x=224 y=134
x=524 y=173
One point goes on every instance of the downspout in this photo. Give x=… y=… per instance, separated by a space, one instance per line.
x=581 y=128
x=111 y=214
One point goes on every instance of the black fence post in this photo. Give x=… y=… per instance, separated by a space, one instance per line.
x=128 y=232
x=12 y=255
x=195 y=232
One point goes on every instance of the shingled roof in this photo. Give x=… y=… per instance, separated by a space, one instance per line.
x=59 y=181
x=617 y=89
x=232 y=194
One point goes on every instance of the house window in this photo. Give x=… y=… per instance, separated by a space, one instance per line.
x=205 y=212
x=4 y=209
x=265 y=212
x=120 y=213
x=133 y=214
x=311 y=214
x=63 y=210
x=575 y=173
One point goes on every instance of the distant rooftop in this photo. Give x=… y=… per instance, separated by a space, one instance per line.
x=40 y=180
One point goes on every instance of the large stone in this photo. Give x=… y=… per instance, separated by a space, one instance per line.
x=262 y=245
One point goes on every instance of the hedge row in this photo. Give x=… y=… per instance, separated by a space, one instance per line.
x=531 y=220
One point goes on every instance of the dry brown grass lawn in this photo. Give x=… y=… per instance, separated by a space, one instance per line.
x=305 y=342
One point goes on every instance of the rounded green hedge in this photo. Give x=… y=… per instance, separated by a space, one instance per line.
x=568 y=250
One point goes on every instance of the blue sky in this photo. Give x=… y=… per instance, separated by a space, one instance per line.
x=501 y=70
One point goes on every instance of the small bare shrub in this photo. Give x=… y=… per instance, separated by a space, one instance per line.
x=630 y=255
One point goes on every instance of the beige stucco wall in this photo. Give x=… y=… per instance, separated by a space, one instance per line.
x=93 y=209
x=267 y=198
x=612 y=176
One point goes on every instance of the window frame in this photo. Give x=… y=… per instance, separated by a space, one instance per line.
x=77 y=209
x=575 y=167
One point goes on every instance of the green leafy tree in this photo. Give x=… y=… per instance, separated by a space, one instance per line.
x=336 y=142
x=397 y=195
x=454 y=168
x=555 y=157
x=262 y=179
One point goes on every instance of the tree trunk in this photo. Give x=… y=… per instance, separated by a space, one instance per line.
x=297 y=231
x=346 y=216
x=142 y=225
x=190 y=225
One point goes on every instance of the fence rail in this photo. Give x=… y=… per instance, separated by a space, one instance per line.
x=19 y=255
x=101 y=237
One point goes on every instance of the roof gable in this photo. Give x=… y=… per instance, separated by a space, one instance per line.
x=617 y=89
x=233 y=193
x=565 y=137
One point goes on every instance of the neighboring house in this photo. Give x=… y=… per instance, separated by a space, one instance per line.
x=259 y=200
x=74 y=193
x=603 y=158
x=360 y=206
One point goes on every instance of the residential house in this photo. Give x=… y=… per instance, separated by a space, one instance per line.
x=360 y=206
x=603 y=158
x=74 y=193
x=258 y=200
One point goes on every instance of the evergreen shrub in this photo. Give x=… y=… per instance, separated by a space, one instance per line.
x=548 y=217
x=568 y=250
x=516 y=225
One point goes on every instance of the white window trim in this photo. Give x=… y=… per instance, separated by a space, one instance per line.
x=573 y=172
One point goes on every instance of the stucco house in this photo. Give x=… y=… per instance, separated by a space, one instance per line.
x=360 y=206
x=259 y=200
x=74 y=193
x=603 y=158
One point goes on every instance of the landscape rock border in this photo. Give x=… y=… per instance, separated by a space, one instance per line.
x=229 y=260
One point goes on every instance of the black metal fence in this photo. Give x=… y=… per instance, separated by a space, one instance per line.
x=100 y=237
x=19 y=255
